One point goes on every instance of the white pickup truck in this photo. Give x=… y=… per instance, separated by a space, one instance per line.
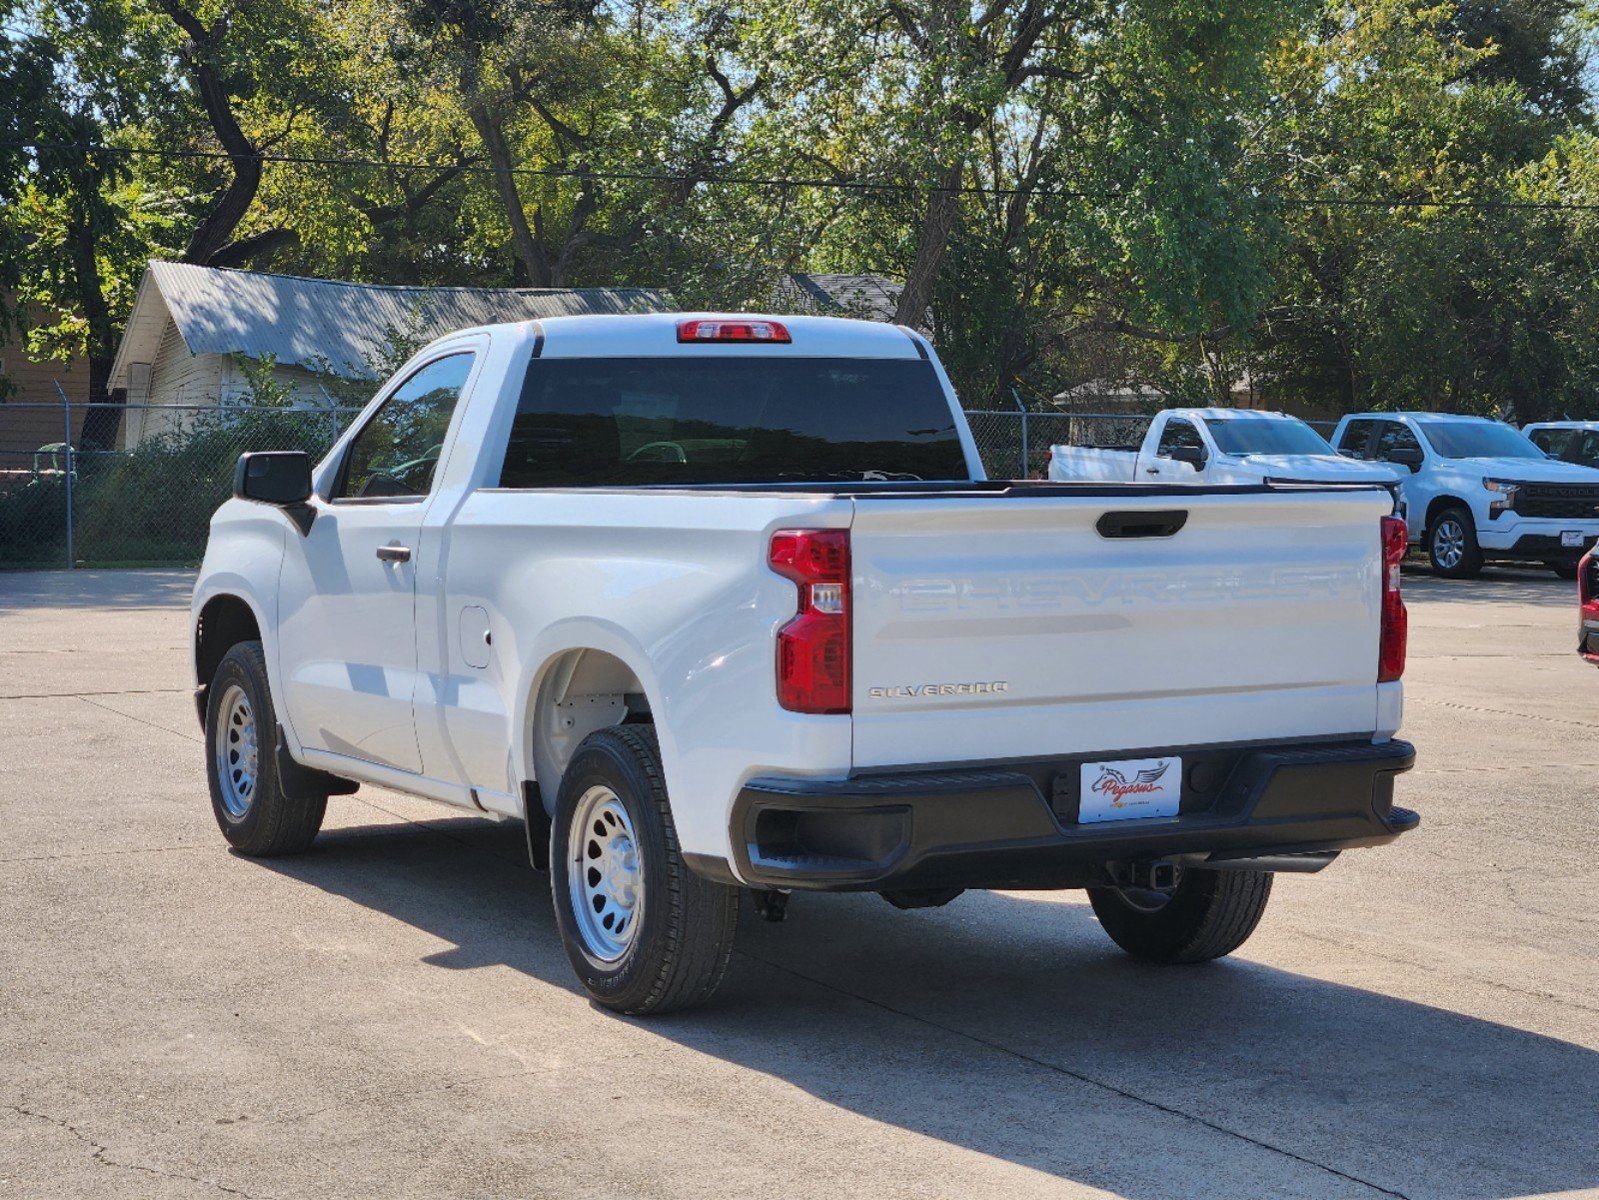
x=719 y=603
x=1218 y=445
x=1477 y=490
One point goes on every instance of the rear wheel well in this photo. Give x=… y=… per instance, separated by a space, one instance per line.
x=580 y=692
x=224 y=622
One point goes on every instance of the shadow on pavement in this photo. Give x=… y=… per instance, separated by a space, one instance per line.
x=1496 y=585
x=96 y=589
x=1010 y=1026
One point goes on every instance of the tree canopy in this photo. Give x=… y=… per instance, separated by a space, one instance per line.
x=1333 y=203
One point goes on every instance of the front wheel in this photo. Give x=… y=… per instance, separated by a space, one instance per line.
x=256 y=815
x=1452 y=544
x=643 y=932
x=1207 y=914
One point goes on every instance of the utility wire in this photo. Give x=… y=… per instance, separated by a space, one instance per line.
x=840 y=184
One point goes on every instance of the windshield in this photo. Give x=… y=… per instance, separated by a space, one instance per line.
x=1478 y=439
x=1266 y=435
x=627 y=422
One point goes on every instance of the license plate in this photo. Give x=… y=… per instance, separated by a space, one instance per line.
x=1571 y=537
x=1130 y=790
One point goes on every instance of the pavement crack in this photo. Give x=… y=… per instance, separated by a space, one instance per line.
x=1080 y=1077
x=188 y=737
x=102 y=1154
x=376 y=1097
x=83 y=695
x=93 y=854
x=1500 y=712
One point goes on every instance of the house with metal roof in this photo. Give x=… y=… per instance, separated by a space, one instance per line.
x=191 y=326
x=194 y=331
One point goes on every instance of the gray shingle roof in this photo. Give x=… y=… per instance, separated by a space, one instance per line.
x=870 y=296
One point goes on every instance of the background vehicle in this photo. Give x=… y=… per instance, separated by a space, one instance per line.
x=1588 y=608
x=1476 y=490
x=1217 y=446
x=1569 y=441
x=648 y=584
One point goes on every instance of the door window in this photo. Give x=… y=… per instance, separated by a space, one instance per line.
x=1178 y=433
x=396 y=454
x=1393 y=436
x=1356 y=442
x=1552 y=441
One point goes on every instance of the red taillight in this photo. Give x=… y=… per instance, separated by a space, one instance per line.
x=813 y=648
x=1395 y=621
x=732 y=331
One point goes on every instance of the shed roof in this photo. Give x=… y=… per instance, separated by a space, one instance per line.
x=872 y=296
x=324 y=324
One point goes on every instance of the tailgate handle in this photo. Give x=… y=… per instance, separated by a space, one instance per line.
x=1142 y=524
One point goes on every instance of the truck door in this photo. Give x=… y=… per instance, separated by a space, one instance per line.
x=347 y=595
x=1180 y=454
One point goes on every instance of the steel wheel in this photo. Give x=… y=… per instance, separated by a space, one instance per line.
x=1448 y=543
x=605 y=874
x=237 y=752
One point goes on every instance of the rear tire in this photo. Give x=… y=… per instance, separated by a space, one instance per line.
x=1207 y=915
x=1452 y=544
x=255 y=814
x=1563 y=570
x=643 y=932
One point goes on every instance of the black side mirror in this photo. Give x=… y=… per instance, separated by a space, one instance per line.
x=1406 y=456
x=281 y=477
x=1194 y=456
x=277 y=477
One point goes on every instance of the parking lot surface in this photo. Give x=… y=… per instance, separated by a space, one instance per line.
x=392 y=1013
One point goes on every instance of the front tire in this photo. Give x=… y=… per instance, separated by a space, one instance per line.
x=1452 y=544
x=255 y=814
x=1207 y=915
x=643 y=932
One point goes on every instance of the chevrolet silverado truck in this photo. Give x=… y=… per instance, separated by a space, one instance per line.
x=1477 y=490
x=718 y=605
x=1218 y=445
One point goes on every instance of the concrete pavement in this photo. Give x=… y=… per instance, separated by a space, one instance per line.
x=392 y=1013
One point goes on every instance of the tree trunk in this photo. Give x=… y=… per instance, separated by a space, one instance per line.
x=931 y=241
x=102 y=423
x=534 y=261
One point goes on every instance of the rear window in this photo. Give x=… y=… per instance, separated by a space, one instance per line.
x=622 y=422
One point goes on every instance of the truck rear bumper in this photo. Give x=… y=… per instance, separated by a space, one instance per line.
x=1016 y=825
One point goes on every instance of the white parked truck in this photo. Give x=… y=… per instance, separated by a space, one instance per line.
x=724 y=604
x=1477 y=490
x=1218 y=445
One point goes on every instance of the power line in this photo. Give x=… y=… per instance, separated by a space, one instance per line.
x=840 y=184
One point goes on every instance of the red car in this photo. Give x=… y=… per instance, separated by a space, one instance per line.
x=1588 y=602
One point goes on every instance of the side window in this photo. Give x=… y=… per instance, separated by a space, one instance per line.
x=1584 y=449
x=1178 y=433
x=397 y=451
x=1391 y=436
x=1552 y=441
x=1357 y=439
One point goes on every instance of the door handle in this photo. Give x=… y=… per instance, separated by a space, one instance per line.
x=394 y=554
x=1151 y=470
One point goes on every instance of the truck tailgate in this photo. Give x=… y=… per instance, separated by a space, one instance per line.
x=1007 y=626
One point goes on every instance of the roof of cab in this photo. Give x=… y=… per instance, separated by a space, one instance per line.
x=1421 y=416
x=654 y=335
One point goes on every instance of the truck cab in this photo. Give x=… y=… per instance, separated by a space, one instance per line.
x=1478 y=490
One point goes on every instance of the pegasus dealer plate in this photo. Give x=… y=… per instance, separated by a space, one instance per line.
x=1129 y=790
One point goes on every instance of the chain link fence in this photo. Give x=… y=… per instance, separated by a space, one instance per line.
x=147 y=503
